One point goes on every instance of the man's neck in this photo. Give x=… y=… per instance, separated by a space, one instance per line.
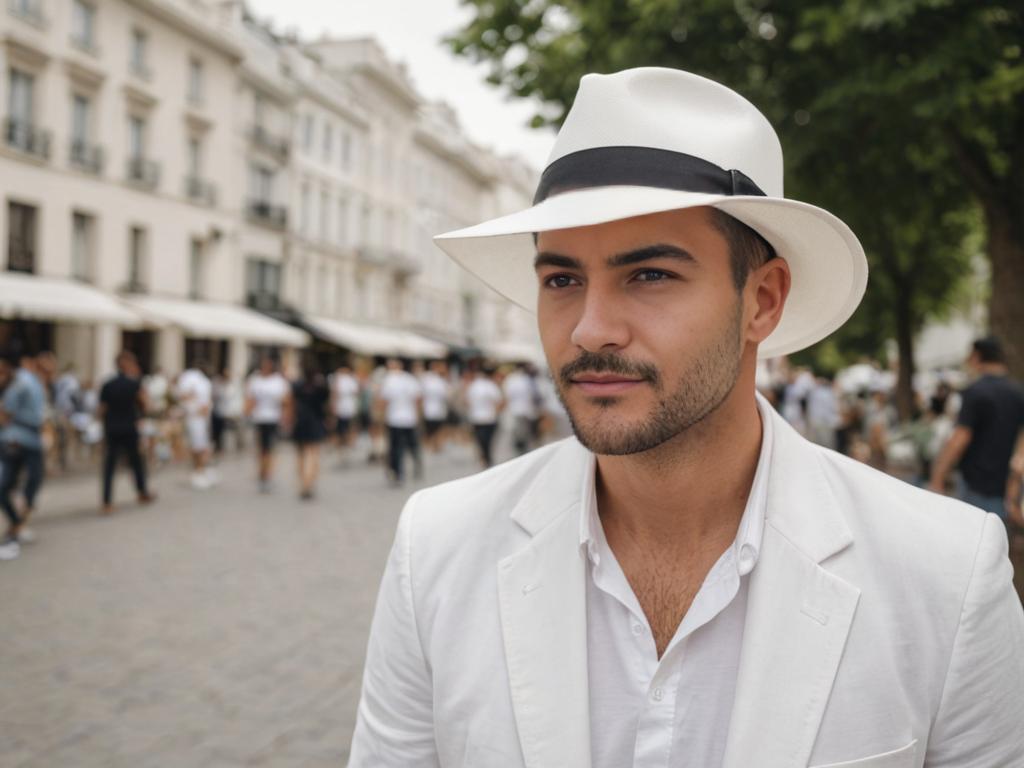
x=688 y=492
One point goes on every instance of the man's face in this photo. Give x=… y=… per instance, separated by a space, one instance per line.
x=642 y=326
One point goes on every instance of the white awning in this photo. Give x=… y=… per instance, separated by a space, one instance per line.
x=206 y=319
x=375 y=340
x=31 y=297
x=516 y=352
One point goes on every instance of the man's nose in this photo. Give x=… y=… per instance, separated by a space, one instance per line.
x=602 y=324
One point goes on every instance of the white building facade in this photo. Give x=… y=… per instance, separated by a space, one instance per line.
x=174 y=176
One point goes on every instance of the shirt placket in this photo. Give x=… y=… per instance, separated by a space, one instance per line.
x=655 y=731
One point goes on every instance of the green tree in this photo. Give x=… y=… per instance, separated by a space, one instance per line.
x=904 y=117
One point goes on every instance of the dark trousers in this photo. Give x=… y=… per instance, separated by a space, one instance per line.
x=400 y=440
x=127 y=444
x=14 y=459
x=484 y=434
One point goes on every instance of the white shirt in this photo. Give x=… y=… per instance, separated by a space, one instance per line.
x=483 y=397
x=196 y=392
x=268 y=394
x=346 y=395
x=647 y=713
x=521 y=395
x=435 y=396
x=401 y=390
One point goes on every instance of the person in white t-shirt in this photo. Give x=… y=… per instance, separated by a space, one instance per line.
x=344 y=403
x=266 y=395
x=399 y=397
x=436 y=393
x=484 y=401
x=195 y=393
x=522 y=396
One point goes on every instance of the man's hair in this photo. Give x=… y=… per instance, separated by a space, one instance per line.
x=989 y=350
x=747 y=249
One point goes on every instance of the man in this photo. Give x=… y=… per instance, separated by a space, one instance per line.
x=436 y=394
x=122 y=403
x=344 y=403
x=399 y=398
x=195 y=392
x=987 y=430
x=266 y=395
x=689 y=581
x=521 y=397
x=22 y=413
x=483 y=403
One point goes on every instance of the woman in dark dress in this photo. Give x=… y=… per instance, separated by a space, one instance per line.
x=310 y=398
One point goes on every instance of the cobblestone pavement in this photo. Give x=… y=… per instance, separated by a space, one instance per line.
x=217 y=628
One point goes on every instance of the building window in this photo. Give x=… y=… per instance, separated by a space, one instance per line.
x=342 y=222
x=346 y=151
x=137 y=261
x=21 y=237
x=195 y=81
x=195 y=167
x=83 y=25
x=195 y=269
x=261 y=183
x=328 y=141
x=82 y=229
x=307 y=132
x=137 y=53
x=325 y=205
x=136 y=137
x=304 y=205
x=263 y=284
x=21 y=96
x=29 y=10
x=259 y=109
x=80 y=109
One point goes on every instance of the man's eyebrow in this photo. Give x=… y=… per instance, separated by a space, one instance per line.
x=549 y=259
x=659 y=251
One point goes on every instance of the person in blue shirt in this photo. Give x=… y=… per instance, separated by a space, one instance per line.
x=22 y=409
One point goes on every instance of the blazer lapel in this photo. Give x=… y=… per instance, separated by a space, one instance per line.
x=542 y=594
x=798 y=615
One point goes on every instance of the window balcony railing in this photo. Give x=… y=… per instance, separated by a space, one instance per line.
x=21 y=260
x=263 y=300
x=143 y=173
x=200 y=191
x=264 y=139
x=25 y=137
x=85 y=45
x=86 y=157
x=30 y=11
x=266 y=213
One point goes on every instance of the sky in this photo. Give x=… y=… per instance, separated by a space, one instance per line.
x=411 y=31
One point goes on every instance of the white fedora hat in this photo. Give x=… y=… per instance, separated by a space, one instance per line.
x=649 y=140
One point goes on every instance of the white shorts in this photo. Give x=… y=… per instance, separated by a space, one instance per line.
x=198 y=430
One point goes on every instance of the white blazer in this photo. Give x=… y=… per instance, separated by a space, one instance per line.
x=882 y=628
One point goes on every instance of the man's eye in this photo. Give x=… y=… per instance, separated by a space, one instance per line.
x=559 y=281
x=651 y=276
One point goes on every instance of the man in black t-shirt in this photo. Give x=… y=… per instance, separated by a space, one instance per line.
x=990 y=424
x=122 y=403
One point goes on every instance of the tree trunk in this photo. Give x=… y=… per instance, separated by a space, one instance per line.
x=905 y=347
x=1006 y=304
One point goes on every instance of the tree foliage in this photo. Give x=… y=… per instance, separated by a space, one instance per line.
x=904 y=117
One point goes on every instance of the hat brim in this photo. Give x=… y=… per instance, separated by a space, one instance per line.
x=827 y=263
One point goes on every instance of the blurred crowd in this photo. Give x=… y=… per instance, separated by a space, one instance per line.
x=961 y=435
x=386 y=412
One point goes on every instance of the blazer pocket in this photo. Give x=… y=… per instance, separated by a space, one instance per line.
x=899 y=758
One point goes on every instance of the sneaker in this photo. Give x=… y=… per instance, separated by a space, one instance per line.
x=9 y=550
x=200 y=482
x=26 y=536
x=147 y=498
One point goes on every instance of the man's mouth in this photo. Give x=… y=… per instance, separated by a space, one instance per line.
x=605 y=384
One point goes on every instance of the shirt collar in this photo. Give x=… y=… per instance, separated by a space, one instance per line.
x=747 y=545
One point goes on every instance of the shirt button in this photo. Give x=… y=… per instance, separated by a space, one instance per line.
x=638 y=629
x=658 y=695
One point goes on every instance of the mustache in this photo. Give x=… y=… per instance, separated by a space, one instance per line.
x=595 y=362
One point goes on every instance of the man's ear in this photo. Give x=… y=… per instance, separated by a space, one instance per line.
x=765 y=297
